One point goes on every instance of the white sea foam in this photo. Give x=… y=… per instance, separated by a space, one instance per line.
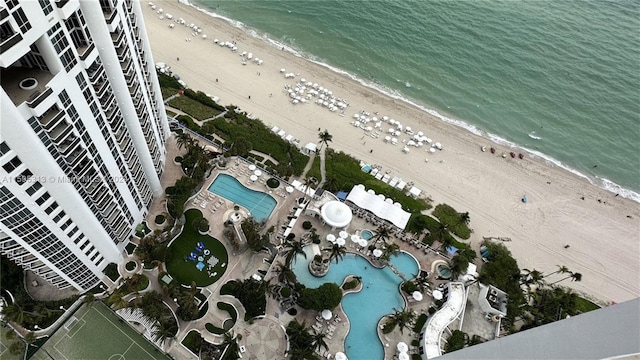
x=395 y=94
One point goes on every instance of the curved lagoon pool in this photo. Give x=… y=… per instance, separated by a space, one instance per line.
x=379 y=296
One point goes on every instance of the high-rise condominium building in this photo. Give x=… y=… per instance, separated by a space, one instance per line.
x=82 y=135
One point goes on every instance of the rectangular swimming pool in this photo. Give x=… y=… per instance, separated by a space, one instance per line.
x=259 y=204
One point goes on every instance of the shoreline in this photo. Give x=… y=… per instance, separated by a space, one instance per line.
x=604 y=246
x=601 y=182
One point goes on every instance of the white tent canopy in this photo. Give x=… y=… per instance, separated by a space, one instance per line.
x=378 y=206
x=336 y=214
x=415 y=191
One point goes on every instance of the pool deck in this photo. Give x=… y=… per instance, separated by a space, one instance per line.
x=265 y=338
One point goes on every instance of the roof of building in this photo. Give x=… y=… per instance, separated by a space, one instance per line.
x=378 y=206
x=336 y=213
x=609 y=332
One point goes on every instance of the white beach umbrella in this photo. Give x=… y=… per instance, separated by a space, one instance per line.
x=420 y=133
x=437 y=294
x=257 y=173
x=282 y=70
x=377 y=253
x=253 y=178
x=355 y=238
x=387 y=138
x=252 y=167
x=432 y=150
x=403 y=356
x=405 y=150
x=289 y=189
x=402 y=347
x=204 y=36
x=362 y=242
x=417 y=295
x=326 y=314
x=340 y=241
x=343 y=234
x=340 y=356
x=331 y=238
x=385 y=118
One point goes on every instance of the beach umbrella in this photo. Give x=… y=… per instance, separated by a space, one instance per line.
x=340 y=241
x=417 y=295
x=403 y=356
x=405 y=150
x=420 y=133
x=331 y=238
x=326 y=314
x=355 y=238
x=289 y=189
x=377 y=253
x=402 y=347
x=252 y=167
x=438 y=146
x=253 y=178
x=362 y=242
x=437 y=294
x=432 y=150
x=343 y=234
x=340 y=356
x=204 y=36
x=257 y=173
x=282 y=70
x=171 y=26
x=385 y=118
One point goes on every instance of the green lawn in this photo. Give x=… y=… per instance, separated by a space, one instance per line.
x=193 y=107
x=185 y=271
x=97 y=333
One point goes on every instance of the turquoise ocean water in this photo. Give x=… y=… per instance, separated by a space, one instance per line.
x=558 y=78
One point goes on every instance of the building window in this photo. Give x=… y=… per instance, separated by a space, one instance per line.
x=59 y=41
x=51 y=207
x=64 y=98
x=24 y=177
x=11 y=4
x=68 y=60
x=41 y=200
x=33 y=188
x=46 y=6
x=21 y=19
x=12 y=165
x=4 y=148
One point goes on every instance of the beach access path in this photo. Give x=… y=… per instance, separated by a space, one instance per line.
x=604 y=241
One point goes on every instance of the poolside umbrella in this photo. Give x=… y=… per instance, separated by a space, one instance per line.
x=362 y=242
x=355 y=238
x=331 y=238
x=437 y=294
x=403 y=356
x=257 y=173
x=417 y=295
x=377 y=253
x=340 y=241
x=341 y=356
x=326 y=314
x=252 y=167
x=289 y=189
x=253 y=178
x=343 y=234
x=402 y=347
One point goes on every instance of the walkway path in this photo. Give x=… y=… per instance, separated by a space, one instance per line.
x=323 y=171
x=312 y=158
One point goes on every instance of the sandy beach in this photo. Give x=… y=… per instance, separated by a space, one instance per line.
x=603 y=241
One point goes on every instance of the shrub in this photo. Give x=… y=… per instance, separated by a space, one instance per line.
x=193 y=107
x=307 y=225
x=273 y=183
x=130 y=266
x=193 y=341
x=160 y=219
x=285 y=292
x=327 y=296
x=420 y=321
x=214 y=329
x=112 y=271
x=351 y=284
x=453 y=219
x=457 y=341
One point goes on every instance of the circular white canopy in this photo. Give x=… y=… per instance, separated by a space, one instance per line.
x=341 y=356
x=326 y=314
x=403 y=356
x=253 y=178
x=257 y=173
x=331 y=238
x=417 y=295
x=437 y=294
x=402 y=347
x=343 y=234
x=377 y=253
x=289 y=189
x=340 y=241
x=252 y=167
x=355 y=238
x=362 y=242
x=336 y=214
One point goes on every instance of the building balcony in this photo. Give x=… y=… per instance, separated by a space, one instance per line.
x=59 y=130
x=68 y=145
x=22 y=84
x=51 y=117
x=9 y=42
x=84 y=51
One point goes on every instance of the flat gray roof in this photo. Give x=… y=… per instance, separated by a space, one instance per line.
x=605 y=333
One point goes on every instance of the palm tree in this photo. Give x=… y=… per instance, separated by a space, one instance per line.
x=532 y=277
x=573 y=276
x=183 y=140
x=382 y=233
x=163 y=330
x=331 y=184
x=307 y=182
x=561 y=270
x=402 y=318
x=442 y=235
x=325 y=138
x=285 y=274
x=294 y=248
x=319 y=341
x=422 y=281
x=464 y=218
x=336 y=252
x=389 y=251
x=117 y=300
x=14 y=312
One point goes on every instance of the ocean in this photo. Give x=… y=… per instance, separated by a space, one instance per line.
x=560 y=79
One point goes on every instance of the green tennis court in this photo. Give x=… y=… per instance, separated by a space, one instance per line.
x=95 y=332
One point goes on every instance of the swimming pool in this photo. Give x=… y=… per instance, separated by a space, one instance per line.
x=259 y=204
x=366 y=234
x=379 y=296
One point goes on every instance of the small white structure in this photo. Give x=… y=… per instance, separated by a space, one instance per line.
x=336 y=214
x=310 y=148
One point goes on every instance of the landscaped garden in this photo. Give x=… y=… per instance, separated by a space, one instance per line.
x=190 y=262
